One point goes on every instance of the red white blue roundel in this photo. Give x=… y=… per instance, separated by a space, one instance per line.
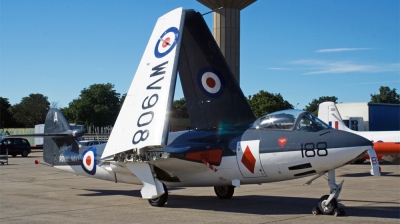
x=211 y=82
x=89 y=161
x=166 y=42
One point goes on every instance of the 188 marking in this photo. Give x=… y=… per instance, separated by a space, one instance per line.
x=309 y=150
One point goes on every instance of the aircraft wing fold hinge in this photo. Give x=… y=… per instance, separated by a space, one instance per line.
x=152 y=187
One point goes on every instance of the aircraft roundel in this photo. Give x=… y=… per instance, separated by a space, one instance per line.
x=89 y=161
x=166 y=42
x=211 y=82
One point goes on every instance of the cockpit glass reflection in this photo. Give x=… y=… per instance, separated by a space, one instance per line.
x=310 y=123
x=290 y=120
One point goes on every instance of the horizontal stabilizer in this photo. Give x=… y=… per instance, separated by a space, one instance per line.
x=66 y=134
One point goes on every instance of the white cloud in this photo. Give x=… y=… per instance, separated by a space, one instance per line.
x=334 y=67
x=341 y=50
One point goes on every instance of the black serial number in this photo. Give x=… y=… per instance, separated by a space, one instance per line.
x=145 y=119
x=312 y=150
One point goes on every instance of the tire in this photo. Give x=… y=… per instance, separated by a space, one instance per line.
x=160 y=201
x=224 y=192
x=24 y=153
x=329 y=208
x=14 y=155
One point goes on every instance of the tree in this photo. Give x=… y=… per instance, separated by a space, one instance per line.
x=264 y=102
x=32 y=110
x=179 y=109
x=122 y=100
x=313 y=106
x=55 y=104
x=97 y=106
x=6 y=118
x=386 y=95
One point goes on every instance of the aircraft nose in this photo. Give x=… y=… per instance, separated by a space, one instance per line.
x=347 y=139
x=351 y=145
x=343 y=147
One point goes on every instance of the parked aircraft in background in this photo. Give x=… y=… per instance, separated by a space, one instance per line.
x=228 y=146
x=386 y=143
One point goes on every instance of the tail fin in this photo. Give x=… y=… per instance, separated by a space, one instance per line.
x=59 y=138
x=213 y=96
x=329 y=114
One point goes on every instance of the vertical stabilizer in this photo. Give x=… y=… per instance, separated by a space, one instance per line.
x=329 y=114
x=144 y=117
x=213 y=96
x=59 y=139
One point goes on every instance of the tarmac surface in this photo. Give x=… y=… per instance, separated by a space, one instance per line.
x=31 y=193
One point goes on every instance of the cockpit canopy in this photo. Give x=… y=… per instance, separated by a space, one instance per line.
x=290 y=120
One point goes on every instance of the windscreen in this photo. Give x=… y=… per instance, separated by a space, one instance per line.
x=290 y=120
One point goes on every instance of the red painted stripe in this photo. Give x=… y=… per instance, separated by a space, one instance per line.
x=209 y=165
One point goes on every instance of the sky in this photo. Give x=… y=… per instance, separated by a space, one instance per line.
x=300 y=49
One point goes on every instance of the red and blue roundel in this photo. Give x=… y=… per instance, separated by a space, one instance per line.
x=211 y=82
x=89 y=161
x=166 y=42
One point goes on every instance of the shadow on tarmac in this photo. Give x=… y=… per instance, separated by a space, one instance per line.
x=366 y=174
x=260 y=205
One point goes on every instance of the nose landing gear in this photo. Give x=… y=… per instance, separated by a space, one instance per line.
x=327 y=204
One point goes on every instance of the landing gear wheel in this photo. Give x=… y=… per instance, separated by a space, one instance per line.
x=160 y=201
x=327 y=209
x=224 y=192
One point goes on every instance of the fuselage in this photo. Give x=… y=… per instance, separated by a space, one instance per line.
x=259 y=154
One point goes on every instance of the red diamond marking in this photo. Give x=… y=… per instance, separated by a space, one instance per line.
x=248 y=160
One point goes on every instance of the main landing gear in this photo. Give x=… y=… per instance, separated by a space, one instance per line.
x=224 y=192
x=327 y=204
x=160 y=201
